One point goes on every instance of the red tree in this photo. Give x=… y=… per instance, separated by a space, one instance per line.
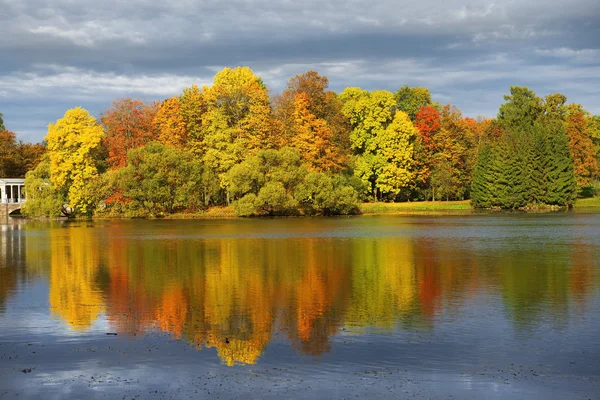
x=128 y=125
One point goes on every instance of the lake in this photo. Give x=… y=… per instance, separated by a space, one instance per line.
x=471 y=306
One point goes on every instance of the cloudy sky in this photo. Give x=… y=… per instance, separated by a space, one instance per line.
x=57 y=54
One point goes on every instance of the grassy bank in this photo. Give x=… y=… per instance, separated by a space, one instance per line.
x=589 y=202
x=407 y=208
x=416 y=207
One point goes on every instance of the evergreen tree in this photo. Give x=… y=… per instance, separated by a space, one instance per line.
x=481 y=196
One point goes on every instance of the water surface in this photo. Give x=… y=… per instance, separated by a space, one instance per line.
x=494 y=306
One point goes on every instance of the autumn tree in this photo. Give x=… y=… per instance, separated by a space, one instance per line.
x=427 y=122
x=323 y=103
x=128 y=125
x=73 y=146
x=192 y=108
x=382 y=140
x=8 y=154
x=171 y=129
x=369 y=113
x=16 y=157
x=313 y=138
x=237 y=122
x=396 y=145
x=411 y=99
x=593 y=125
x=582 y=147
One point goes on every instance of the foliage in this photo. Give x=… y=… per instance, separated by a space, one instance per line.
x=411 y=100
x=16 y=158
x=171 y=128
x=582 y=148
x=322 y=103
x=43 y=198
x=73 y=145
x=155 y=181
x=310 y=151
x=128 y=125
x=276 y=182
x=313 y=138
x=530 y=165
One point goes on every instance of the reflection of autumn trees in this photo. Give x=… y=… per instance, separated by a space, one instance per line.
x=74 y=293
x=233 y=294
x=383 y=281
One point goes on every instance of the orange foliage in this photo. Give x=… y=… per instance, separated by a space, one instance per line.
x=128 y=125
x=169 y=123
x=312 y=137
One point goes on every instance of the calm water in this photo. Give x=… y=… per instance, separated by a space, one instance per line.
x=490 y=306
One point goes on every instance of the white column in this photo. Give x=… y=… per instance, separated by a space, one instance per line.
x=19 y=187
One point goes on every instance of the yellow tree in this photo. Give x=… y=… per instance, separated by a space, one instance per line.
x=581 y=146
x=73 y=149
x=170 y=125
x=312 y=137
x=396 y=145
x=237 y=122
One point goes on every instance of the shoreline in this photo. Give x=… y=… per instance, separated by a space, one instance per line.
x=420 y=208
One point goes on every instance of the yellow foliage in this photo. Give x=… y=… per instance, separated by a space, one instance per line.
x=72 y=142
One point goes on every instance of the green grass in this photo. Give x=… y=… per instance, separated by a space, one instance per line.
x=588 y=202
x=415 y=207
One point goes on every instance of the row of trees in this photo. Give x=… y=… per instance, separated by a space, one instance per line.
x=16 y=157
x=308 y=150
x=542 y=157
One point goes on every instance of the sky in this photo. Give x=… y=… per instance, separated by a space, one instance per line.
x=59 y=54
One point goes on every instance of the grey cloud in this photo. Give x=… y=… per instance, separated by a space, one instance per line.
x=60 y=53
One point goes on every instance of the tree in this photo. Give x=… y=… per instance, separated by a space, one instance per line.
x=237 y=122
x=16 y=158
x=43 y=198
x=582 y=148
x=156 y=180
x=396 y=145
x=312 y=137
x=73 y=146
x=530 y=164
x=128 y=125
x=593 y=124
x=276 y=182
x=324 y=104
x=192 y=108
x=170 y=125
x=521 y=109
x=8 y=154
x=481 y=194
x=410 y=100
x=2 y=127
x=370 y=113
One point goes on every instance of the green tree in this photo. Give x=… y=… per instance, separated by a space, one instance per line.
x=157 y=180
x=276 y=182
x=530 y=165
x=2 y=127
x=411 y=99
x=43 y=198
